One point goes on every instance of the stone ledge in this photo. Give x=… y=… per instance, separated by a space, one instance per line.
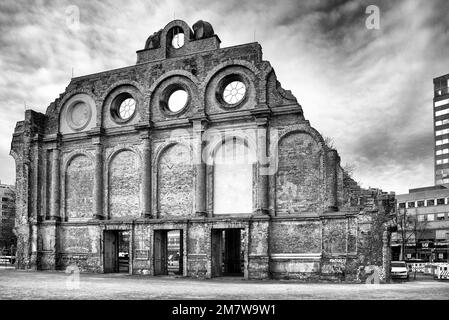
x=296 y=256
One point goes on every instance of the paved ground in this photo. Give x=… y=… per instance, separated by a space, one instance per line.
x=55 y=285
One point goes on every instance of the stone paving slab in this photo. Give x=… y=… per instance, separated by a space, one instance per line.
x=16 y=284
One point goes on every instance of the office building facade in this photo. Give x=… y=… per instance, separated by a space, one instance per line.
x=441 y=129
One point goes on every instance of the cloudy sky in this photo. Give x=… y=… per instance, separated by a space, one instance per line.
x=370 y=90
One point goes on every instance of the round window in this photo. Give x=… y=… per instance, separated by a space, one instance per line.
x=177 y=100
x=79 y=115
x=178 y=40
x=234 y=92
x=123 y=107
x=127 y=108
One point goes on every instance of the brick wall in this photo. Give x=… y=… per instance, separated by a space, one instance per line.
x=198 y=244
x=334 y=236
x=295 y=237
x=79 y=188
x=79 y=246
x=299 y=178
x=143 y=249
x=124 y=185
x=175 y=182
x=311 y=227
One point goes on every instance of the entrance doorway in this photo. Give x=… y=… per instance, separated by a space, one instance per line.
x=168 y=252
x=116 y=251
x=227 y=252
x=395 y=253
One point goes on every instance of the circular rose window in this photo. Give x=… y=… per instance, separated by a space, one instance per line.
x=127 y=108
x=79 y=115
x=234 y=92
x=177 y=100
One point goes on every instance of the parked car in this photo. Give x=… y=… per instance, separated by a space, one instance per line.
x=399 y=270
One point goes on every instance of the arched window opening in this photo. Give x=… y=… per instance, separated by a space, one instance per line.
x=233 y=178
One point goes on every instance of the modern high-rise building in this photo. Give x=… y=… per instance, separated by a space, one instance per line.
x=441 y=128
x=7 y=216
x=427 y=234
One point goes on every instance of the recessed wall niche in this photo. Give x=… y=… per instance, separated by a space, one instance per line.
x=78 y=114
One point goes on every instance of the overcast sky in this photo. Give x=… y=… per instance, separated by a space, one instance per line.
x=370 y=90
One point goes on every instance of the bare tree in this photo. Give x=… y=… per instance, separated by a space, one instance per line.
x=329 y=142
x=349 y=168
x=371 y=246
x=409 y=228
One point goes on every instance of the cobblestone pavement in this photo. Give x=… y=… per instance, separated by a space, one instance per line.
x=57 y=285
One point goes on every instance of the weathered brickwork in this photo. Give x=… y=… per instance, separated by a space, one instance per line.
x=199 y=258
x=142 y=248
x=124 y=185
x=296 y=237
x=352 y=235
x=299 y=178
x=175 y=181
x=111 y=157
x=334 y=236
x=79 y=187
x=79 y=246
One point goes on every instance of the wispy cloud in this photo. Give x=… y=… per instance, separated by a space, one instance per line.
x=369 y=89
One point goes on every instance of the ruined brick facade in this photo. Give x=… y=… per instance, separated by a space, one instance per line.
x=84 y=173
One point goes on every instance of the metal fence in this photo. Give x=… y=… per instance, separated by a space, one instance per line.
x=437 y=269
x=6 y=261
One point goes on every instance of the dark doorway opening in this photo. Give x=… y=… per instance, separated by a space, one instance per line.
x=227 y=252
x=168 y=252
x=395 y=253
x=116 y=251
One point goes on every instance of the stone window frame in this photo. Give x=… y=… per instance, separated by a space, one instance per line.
x=165 y=97
x=178 y=78
x=167 y=88
x=234 y=224
x=171 y=35
x=220 y=78
x=224 y=81
x=215 y=145
x=114 y=108
x=117 y=226
x=256 y=89
x=113 y=98
x=169 y=226
x=167 y=37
